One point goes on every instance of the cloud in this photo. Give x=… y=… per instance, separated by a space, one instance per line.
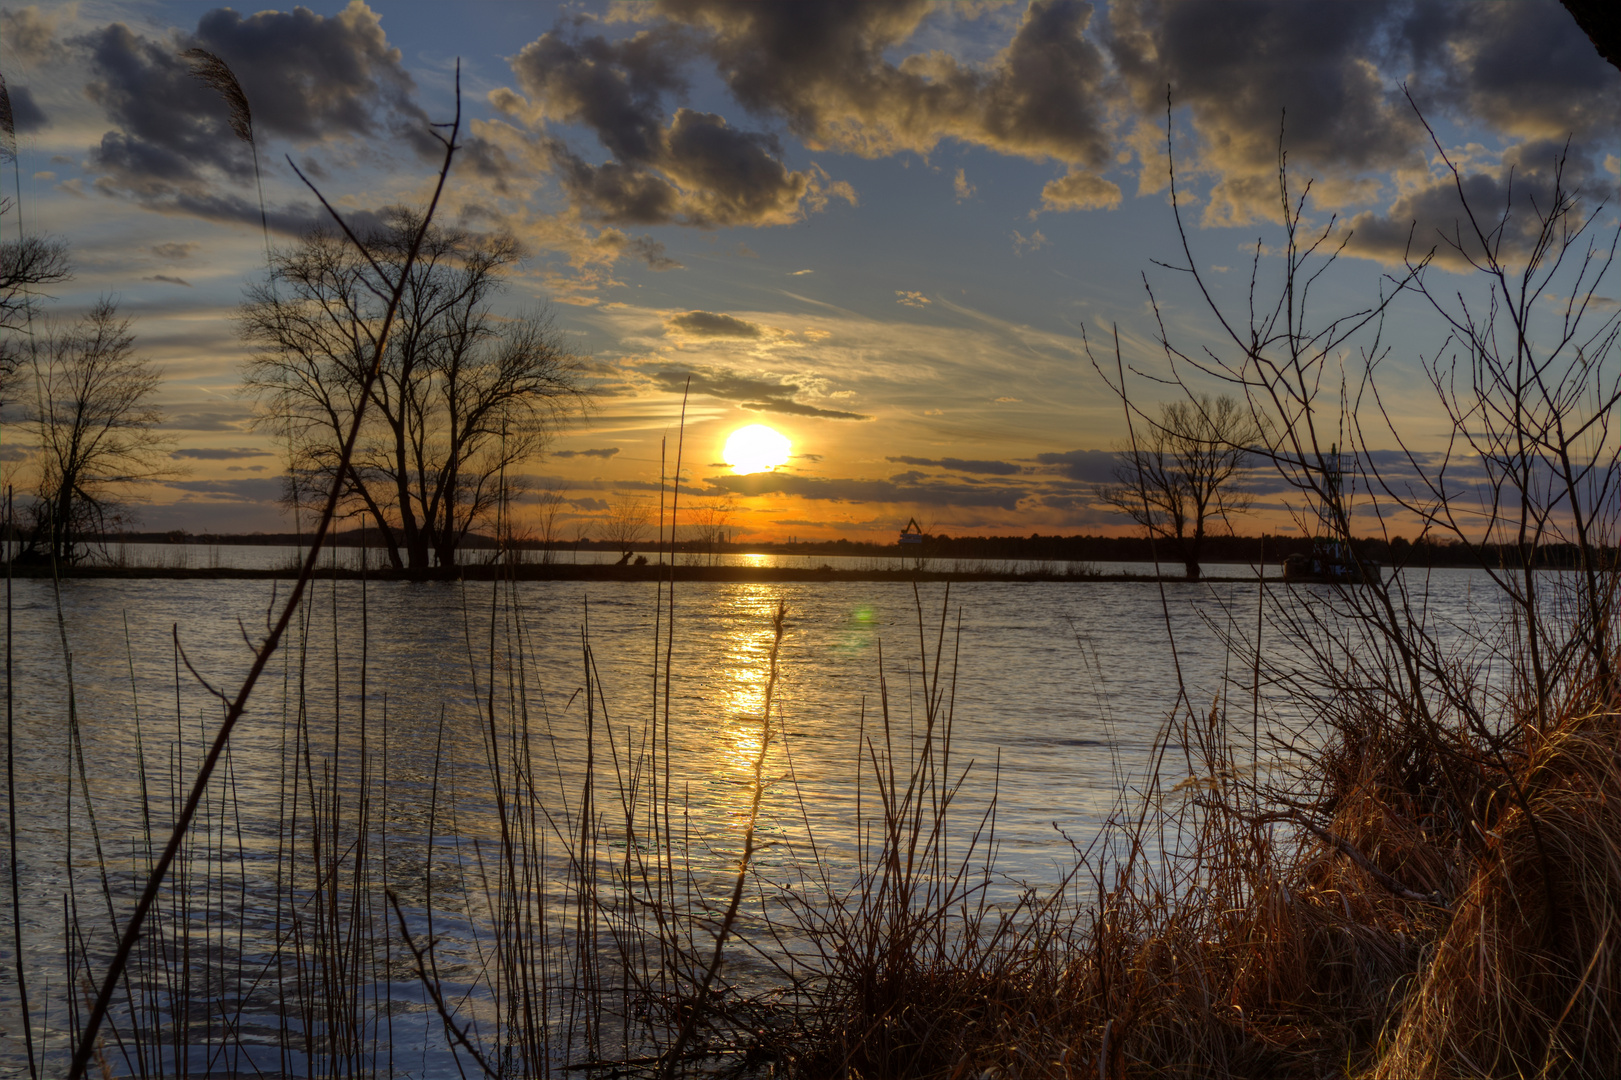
x=827 y=74
x=961 y=187
x=692 y=168
x=1434 y=216
x=868 y=491
x=245 y=489
x=1092 y=466
x=1236 y=66
x=221 y=454
x=721 y=383
x=706 y=174
x=906 y=298
x=826 y=71
x=1525 y=68
x=1034 y=242
x=800 y=273
x=175 y=251
x=1080 y=191
x=307 y=75
x=604 y=453
x=794 y=408
x=167 y=279
x=992 y=468
x=30 y=33
x=220 y=420
x=707 y=324
x=309 y=79
x=769 y=394
x=26 y=115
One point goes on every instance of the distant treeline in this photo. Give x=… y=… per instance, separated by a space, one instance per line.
x=1035 y=548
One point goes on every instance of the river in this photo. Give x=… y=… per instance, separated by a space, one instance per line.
x=1055 y=695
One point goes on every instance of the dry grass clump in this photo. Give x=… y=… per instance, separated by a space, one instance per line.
x=1526 y=978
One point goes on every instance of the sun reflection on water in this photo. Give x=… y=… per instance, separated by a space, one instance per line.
x=744 y=673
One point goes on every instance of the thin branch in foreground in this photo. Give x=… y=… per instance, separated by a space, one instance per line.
x=126 y=944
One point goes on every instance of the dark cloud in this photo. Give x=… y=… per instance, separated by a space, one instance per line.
x=219 y=420
x=1526 y=68
x=26 y=115
x=867 y=491
x=992 y=468
x=1511 y=197
x=175 y=251
x=691 y=168
x=706 y=173
x=588 y=504
x=167 y=279
x=207 y=204
x=1236 y=66
x=651 y=252
x=708 y=324
x=308 y=78
x=246 y=489
x=222 y=454
x=794 y=408
x=604 y=453
x=1093 y=466
x=826 y=71
x=718 y=382
x=171 y=128
x=758 y=395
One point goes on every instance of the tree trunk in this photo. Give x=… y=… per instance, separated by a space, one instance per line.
x=61 y=525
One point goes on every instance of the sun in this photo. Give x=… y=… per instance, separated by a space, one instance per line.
x=755 y=448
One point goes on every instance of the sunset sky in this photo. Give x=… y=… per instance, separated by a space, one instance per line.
x=878 y=228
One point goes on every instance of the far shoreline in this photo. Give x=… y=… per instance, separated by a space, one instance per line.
x=651 y=572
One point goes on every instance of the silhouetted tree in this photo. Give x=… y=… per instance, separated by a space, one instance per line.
x=96 y=427
x=1176 y=478
x=463 y=396
x=25 y=265
x=624 y=524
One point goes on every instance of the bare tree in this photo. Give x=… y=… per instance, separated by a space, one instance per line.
x=96 y=428
x=624 y=524
x=25 y=265
x=1175 y=478
x=462 y=398
x=548 y=530
x=711 y=524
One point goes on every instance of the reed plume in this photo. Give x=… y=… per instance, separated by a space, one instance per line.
x=8 y=124
x=217 y=74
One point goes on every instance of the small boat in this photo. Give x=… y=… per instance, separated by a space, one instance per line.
x=1330 y=563
x=913 y=533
